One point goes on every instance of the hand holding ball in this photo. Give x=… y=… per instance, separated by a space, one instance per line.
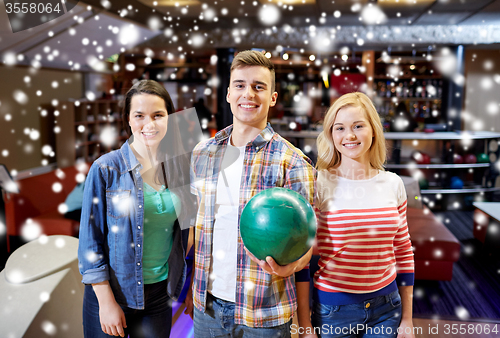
x=280 y=223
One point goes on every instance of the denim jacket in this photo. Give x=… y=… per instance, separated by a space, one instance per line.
x=111 y=234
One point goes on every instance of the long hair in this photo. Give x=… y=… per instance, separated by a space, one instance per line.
x=173 y=168
x=328 y=155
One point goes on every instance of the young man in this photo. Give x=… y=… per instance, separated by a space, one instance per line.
x=235 y=294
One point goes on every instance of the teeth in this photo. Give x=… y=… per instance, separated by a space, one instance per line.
x=148 y=134
x=352 y=145
x=247 y=106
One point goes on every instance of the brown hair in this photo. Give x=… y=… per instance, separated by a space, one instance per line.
x=248 y=58
x=173 y=170
x=145 y=87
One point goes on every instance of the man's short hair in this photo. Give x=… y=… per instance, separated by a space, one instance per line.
x=248 y=58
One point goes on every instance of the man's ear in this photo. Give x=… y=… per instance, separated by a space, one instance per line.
x=274 y=98
x=227 y=96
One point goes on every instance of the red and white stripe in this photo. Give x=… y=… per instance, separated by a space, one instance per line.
x=361 y=249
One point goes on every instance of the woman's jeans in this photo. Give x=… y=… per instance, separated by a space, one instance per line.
x=376 y=317
x=154 y=321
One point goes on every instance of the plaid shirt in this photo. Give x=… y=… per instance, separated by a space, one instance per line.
x=262 y=300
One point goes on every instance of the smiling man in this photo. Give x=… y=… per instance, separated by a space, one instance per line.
x=234 y=294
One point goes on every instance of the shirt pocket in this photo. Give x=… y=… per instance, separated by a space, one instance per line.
x=118 y=203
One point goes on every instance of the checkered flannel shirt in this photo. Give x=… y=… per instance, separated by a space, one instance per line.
x=262 y=299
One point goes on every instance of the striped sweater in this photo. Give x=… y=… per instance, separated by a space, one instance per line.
x=364 y=245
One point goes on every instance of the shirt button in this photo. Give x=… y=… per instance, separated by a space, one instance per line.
x=367 y=305
x=139 y=283
x=139 y=227
x=138 y=263
x=140 y=188
x=139 y=245
x=140 y=206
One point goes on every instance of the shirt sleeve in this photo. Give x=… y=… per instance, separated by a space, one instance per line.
x=402 y=244
x=302 y=179
x=93 y=263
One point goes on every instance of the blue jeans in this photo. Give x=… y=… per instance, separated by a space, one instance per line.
x=218 y=321
x=376 y=317
x=154 y=321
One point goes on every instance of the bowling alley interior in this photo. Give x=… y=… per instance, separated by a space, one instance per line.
x=431 y=69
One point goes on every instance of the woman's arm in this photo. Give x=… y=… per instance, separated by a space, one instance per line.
x=110 y=313
x=406 y=326
x=92 y=261
x=303 y=310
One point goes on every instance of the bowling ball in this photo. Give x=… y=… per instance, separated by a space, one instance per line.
x=423 y=183
x=456 y=183
x=458 y=159
x=483 y=158
x=280 y=223
x=470 y=158
x=427 y=158
x=421 y=158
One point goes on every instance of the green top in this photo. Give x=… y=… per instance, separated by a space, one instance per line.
x=159 y=218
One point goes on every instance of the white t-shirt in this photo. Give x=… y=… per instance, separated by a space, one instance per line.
x=222 y=279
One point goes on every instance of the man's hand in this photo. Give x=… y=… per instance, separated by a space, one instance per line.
x=112 y=319
x=271 y=267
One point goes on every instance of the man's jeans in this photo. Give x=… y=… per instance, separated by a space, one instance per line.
x=218 y=321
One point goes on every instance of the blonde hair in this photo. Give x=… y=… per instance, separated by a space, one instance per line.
x=248 y=58
x=328 y=155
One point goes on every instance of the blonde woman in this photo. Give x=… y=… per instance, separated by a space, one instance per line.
x=364 y=284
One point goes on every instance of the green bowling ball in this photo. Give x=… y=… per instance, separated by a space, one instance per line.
x=280 y=223
x=483 y=158
x=423 y=183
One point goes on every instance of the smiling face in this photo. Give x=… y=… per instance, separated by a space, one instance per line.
x=250 y=95
x=148 y=119
x=352 y=134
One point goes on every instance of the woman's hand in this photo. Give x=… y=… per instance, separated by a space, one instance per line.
x=406 y=329
x=112 y=319
x=308 y=330
x=111 y=314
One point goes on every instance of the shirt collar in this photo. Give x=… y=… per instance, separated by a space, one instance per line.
x=128 y=156
x=258 y=142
